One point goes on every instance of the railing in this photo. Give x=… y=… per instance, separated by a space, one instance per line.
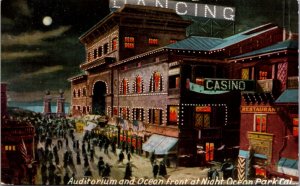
x=173 y=91
x=292 y=82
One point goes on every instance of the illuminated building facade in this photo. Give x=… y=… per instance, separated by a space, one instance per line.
x=141 y=67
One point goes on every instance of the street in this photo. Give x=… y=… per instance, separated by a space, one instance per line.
x=141 y=167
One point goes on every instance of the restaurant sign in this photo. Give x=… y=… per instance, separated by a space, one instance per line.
x=259 y=109
x=229 y=85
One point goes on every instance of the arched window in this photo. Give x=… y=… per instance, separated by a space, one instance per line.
x=138 y=85
x=74 y=93
x=124 y=89
x=78 y=92
x=156 y=82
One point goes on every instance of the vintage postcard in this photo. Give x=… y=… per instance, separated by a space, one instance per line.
x=149 y=92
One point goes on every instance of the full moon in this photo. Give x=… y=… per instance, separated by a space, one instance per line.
x=47 y=20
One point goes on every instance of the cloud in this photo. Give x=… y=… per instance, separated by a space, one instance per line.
x=17 y=55
x=45 y=70
x=32 y=38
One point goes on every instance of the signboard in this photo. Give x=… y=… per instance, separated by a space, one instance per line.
x=174 y=71
x=203 y=109
x=259 y=109
x=229 y=84
x=183 y=8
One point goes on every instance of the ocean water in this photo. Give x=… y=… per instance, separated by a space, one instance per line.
x=36 y=106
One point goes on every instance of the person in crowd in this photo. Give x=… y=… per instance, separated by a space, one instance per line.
x=128 y=172
x=88 y=172
x=121 y=157
x=128 y=156
x=162 y=169
x=57 y=179
x=152 y=158
x=155 y=169
x=100 y=165
x=106 y=171
x=66 y=178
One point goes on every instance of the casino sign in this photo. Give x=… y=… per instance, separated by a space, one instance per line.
x=229 y=84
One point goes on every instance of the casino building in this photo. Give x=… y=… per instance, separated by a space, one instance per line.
x=174 y=95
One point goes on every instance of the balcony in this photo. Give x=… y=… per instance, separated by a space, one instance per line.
x=267 y=85
x=261 y=143
x=163 y=130
x=292 y=82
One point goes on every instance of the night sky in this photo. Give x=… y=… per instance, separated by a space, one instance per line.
x=36 y=57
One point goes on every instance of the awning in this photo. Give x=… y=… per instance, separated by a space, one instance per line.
x=159 y=144
x=288 y=166
x=289 y=96
x=245 y=154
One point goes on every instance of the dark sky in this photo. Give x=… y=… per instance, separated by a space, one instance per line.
x=36 y=57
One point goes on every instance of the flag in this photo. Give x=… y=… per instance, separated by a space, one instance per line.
x=23 y=150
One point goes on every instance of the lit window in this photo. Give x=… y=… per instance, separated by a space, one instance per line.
x=114 y=44
x=260 y=122
x=295 y=127
x=129 y=42
x=138 y=84
x=124 y=89
x=153 y=41
x=245 y=73
x=155 y=116
x=209 y=151
x=173 y=41
x=156 y=82
x=202 y=120
x=173 y=114
x=263 y=75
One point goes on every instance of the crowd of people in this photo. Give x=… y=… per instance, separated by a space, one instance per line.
x=59 y=152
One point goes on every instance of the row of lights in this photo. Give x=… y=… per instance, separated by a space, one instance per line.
x=103 y=82
x=142 y=94
x=260 y=56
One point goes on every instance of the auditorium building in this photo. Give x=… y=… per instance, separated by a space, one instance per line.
x=173 y=94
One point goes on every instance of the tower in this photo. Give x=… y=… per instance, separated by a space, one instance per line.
x=60 y=110
x=47 y=103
